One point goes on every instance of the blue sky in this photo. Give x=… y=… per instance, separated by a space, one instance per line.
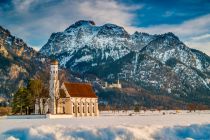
x=35 y=20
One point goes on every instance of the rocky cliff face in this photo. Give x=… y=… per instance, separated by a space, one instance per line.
x=160 y=64
x=18 y=63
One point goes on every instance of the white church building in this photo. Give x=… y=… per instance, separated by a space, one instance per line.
x=76 y=99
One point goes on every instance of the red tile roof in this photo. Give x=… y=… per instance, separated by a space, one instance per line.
x=80 y=90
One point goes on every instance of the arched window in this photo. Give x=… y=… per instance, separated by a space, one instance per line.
x=78 y=109
x=88 y=108
x=93 y=108
x=64 y=110
x=73 y=108
x=83 y=108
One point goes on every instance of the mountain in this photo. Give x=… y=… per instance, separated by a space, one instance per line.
x=155 y=70
x=159 y=65
x=18 y=64
x=84 y=45
x=164 y=67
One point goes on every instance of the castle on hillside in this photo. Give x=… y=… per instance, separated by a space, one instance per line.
x=76 y=99
x=113 y=85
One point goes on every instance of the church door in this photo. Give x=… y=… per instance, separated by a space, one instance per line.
x=64 y=110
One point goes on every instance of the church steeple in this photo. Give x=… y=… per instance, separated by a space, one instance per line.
x=54 y=85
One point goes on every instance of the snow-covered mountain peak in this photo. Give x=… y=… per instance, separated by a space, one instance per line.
x=141 y=36
x=86 y=44
x=108 y=42
x=112 y=30
x=136 y=33
x=4 y=31
x=170 y=36
x=81 y=23
x=159 y=63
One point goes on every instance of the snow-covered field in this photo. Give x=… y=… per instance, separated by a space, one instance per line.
x=109 y=125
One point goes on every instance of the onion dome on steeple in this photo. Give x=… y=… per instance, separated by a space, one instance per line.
x=54 y=62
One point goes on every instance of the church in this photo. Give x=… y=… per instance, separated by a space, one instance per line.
x=76 y=99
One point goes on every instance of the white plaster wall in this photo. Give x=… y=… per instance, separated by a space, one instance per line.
x=54 y=87
x=89 y=103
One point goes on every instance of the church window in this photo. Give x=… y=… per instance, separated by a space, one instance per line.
x=93 y=108
x=64 y=110
x=88 y=108
x=83 y=108
x=73 y=108
x=78 y=108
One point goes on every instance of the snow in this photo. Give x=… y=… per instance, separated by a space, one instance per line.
x=94 y=64
x=188 y=132
x=9 y=41
x=64 y=60
x=85 y=58
x=169 y=90
x=112 y=125
x=135 y=63
x=95 y=37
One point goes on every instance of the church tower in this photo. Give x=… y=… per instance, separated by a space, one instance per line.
x=54 y=86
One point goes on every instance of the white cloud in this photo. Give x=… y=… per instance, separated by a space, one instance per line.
x=201 y=37
x=103 y=12
x=36 y=26
x=23 y=5
x=200 y=42
x=192 y=32
x=108 y=11
x=37 y=48
x=188 y=28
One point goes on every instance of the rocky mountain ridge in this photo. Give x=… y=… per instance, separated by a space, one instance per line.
x=155 y=70
x=18 y=64
x=160 y=64
x=75 y=46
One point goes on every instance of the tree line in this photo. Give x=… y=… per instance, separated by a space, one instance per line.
x=25 y=98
